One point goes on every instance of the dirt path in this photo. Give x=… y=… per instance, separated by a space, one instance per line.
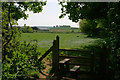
x=43 y=77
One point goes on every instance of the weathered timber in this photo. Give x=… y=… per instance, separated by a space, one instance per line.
x=75 y=50
x=64 y=61
x=81 y=64
x=55 y=55
x=45 y=54
x=66 y=78
x=83 y=57
x=67 y=66
x=75 y=68
x=92 y=61
x=64 y=66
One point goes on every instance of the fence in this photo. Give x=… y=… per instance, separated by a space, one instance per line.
x=56 y=58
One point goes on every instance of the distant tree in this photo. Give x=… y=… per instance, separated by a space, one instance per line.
x=65 y=26
x=89 y=27
x=27 y=29
x=57 y=26
x=30 y=30
x=35 y=28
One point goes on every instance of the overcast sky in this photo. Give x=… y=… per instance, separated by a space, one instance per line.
x=48 y=17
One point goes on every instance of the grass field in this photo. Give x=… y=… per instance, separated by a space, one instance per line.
x=64 y=30
x=67 y=40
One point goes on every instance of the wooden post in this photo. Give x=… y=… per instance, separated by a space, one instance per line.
x=67 y=67
x=92 y=63
x=92 y=60
x=103 y=63
x=62 y=70
x=55 y=55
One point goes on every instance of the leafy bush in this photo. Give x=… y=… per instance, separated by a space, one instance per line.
x=21 y=59
x=107 y=17
x=18 y=58
x=27 y=29
x=89 y=27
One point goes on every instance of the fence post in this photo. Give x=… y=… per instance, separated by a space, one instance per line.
x=92 y=63
x=55 y=55
x=103 y=63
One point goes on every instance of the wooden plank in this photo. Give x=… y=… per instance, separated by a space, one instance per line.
x=45 y=54
x=63 y=68
x=83 y=57
x=81 y=64
x=92 y=60
x=75 y=68
x=75 y=50
x=64 y=61
x=67 y=66
x=55 y=56
x=67 y=78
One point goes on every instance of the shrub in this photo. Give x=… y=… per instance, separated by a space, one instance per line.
x=21 y=59
x=89 y=27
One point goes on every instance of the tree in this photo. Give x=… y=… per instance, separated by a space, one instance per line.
x=107 y=17
x=17 y=57
x=89 y=27
x=27 y=29
x=11 y=13
x=35 y=28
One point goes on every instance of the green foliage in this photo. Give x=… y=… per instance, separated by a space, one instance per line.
x=27 y=29
x=18 y=57
x=89 y=27
x=84 y=10
x=94 y=27
x=18 y=8
x=21 y=59
x=107 y=17
x=67 y=40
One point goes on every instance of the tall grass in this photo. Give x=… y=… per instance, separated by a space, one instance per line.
x=67 y=40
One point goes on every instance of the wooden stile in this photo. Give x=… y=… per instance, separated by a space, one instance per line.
x=75 y=68
x=60 y=68
x=55 y=55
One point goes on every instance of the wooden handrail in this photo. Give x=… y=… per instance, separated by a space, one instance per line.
x=81 y=64
x=79 y=57
x=77 y=50
x=46 y=53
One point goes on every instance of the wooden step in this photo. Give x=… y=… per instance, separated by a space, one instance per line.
x=75 y=68
x=64 y=66
x=81 y=64
x=64 y=61
x=67 y=78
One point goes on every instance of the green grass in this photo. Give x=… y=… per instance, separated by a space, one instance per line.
x=67 y=40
